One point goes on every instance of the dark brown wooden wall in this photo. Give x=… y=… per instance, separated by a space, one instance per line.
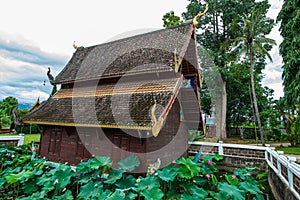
x=68 y=144
x=62 y=144
x=172 y=127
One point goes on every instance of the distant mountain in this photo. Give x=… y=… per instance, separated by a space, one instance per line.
x=23 y=106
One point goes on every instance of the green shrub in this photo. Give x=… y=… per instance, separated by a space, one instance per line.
x=26 y=129
x=249 y=135
x=25 y=176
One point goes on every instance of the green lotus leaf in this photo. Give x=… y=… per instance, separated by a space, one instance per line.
x=152 y=194
x=129 y=163
x=168 y=173
x=114 y=175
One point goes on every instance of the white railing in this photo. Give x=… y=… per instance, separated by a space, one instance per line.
x=293 y=169
x=19 y=138
x=221 y=145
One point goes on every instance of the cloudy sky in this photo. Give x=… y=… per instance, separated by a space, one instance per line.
x=35 y=35
x=273 y=70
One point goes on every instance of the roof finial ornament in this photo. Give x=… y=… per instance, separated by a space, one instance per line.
x=74 y=45
x=50 y=77
x=195 y=22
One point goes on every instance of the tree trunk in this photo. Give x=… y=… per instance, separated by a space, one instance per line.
x=221 y=106
x=254 y=98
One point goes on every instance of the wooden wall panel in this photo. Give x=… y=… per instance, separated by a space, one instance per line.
x=171 y=129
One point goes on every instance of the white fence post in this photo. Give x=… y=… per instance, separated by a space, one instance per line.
x=266 y=152
x=279 y=153
x=220 y=148
x=21 y=140
x=290 y=173
x=271 y=155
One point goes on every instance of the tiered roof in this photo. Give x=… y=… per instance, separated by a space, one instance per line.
x=95 y=93
x=149 y=52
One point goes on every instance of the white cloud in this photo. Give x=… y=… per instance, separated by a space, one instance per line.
x=37 y=34
x=23 y=70
x=33 y=94
x=54 y=25
x=273 y=71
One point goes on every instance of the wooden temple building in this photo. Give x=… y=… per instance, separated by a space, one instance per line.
x=134 y=95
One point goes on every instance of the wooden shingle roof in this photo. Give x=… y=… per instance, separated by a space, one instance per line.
x=127 y=106
x=149 y=52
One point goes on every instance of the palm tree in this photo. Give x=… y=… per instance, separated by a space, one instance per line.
x=251 y=42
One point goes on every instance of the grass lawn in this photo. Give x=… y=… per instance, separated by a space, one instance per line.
x=289 y=150
x=28 y=138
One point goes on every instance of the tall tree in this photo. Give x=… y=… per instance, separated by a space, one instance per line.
x=170 y=19
x=289 y=16
x=252 y=29
x=290 y=49
x=215 y=34
x=238 y=95
x=291 y=120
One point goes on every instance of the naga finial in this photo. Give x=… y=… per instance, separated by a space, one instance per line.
x=50 y=77
x=75 y=45
x=195 y=22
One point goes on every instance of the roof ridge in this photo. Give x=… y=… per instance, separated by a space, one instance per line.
x=97 y=60
x=139 y=35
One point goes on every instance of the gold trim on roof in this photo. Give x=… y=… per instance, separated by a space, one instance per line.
x=118 y=89
x=159 y=123
x=195 y=22
x=88 y=125
x=36 y=104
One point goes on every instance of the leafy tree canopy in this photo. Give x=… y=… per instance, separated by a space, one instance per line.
x=224 y=23
x=170 y=19
x=6 y=107
x=290 y=49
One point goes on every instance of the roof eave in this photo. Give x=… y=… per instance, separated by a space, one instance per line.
x=86 y=125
